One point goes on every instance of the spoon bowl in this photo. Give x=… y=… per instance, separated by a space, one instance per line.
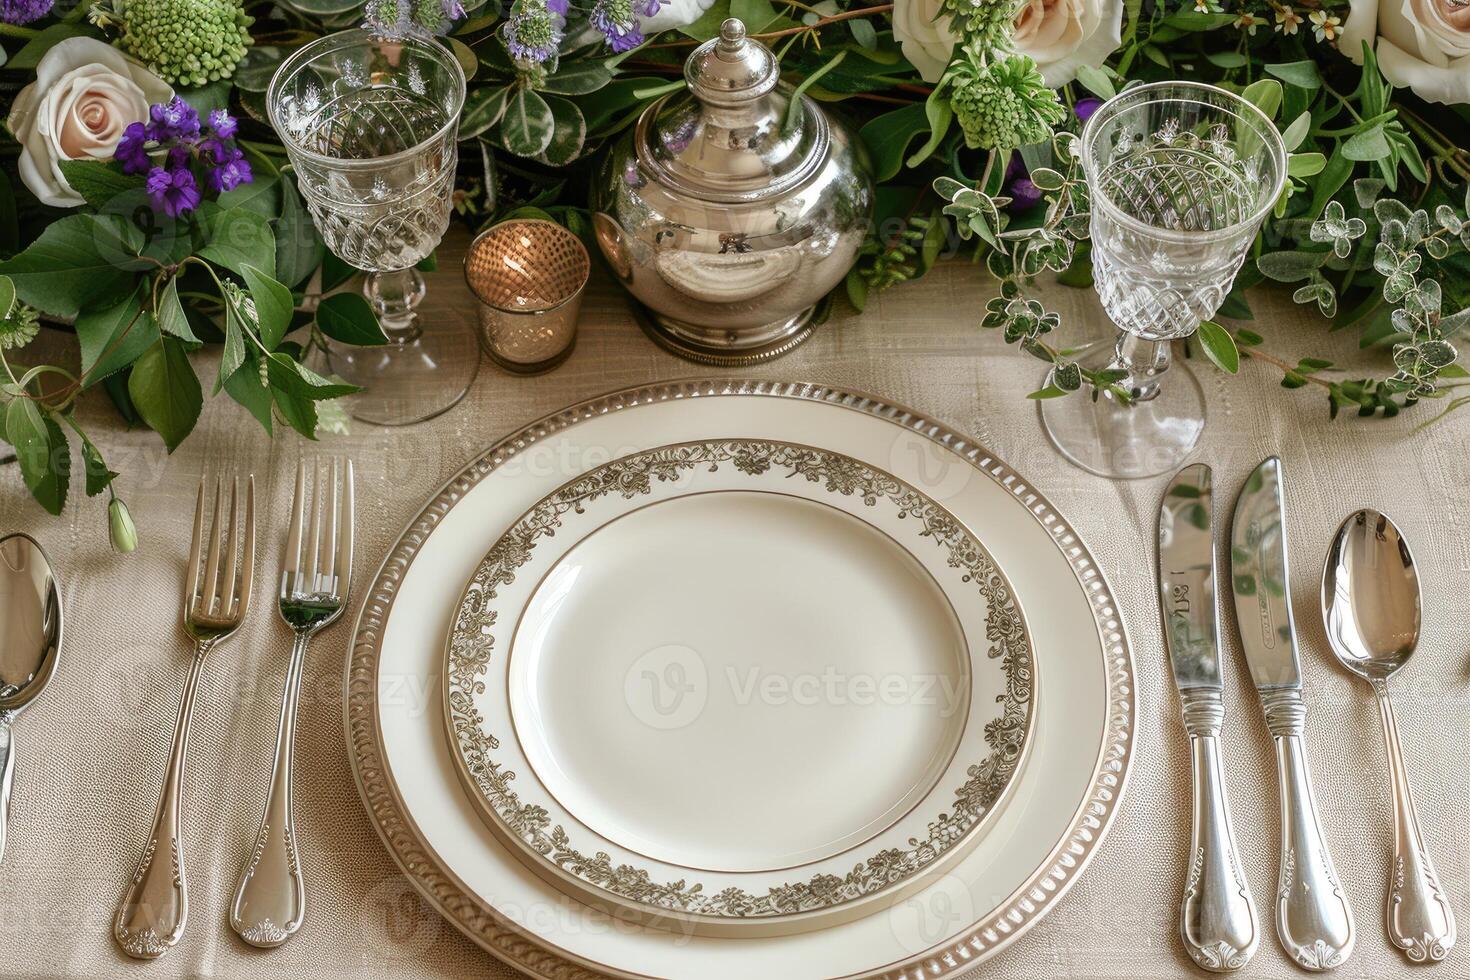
x=1370 y=596
x=30 y=641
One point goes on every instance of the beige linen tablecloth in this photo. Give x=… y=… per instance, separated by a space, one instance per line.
x=90 y=754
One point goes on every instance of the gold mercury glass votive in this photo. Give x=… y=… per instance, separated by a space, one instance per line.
x=528 y=275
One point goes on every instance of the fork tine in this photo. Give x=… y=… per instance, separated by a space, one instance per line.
x=329 y=547
x=247 y=567
x=314 y=529
x=344 y=537
x=191 y=577
x=291 y=561
x=227 y=592
x=216 y=542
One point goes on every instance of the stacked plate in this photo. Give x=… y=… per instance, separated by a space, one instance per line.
x=719 y=677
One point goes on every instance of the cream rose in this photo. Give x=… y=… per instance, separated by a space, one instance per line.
x=1422 y=45
x=1062 y=35
x=922 y=30
x=85 y=94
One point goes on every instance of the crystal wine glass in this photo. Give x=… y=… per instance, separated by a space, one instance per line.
x=1180 y=175
x=370 y=127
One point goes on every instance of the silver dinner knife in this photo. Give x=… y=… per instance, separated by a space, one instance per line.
x=1313 y=920
x=1217 y=919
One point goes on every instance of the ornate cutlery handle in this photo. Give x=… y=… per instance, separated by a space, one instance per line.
x=1418 y=912
x=7 y=771
x=155 y=904
x=1217 y=919
x=1313 y=919
x=270 y=900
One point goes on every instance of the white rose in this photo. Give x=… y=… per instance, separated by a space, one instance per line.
x=85 y=94
x=1423 y=45
x=922 y=30
x=674 y=13
x=1062 y=35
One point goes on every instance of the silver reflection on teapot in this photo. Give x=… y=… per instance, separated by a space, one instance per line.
x=727 y=213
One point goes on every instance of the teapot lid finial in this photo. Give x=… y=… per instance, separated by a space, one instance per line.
x=732 y=69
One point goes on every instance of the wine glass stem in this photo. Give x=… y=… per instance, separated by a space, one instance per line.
x=1145 y=361
x=396 y=296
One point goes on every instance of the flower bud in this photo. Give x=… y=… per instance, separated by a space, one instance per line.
x=120 y=522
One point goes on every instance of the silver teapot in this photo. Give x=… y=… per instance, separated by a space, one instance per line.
x=727 y=212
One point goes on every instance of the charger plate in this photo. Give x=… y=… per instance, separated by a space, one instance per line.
x=745 y=686
x=1047 y=830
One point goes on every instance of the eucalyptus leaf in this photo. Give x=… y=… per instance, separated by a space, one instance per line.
x=1370 y=144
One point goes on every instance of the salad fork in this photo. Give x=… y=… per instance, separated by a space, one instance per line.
x=270 y=900
x=155 y=903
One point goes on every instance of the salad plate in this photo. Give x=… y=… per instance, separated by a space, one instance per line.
x=743 y=686
x=1036 y=844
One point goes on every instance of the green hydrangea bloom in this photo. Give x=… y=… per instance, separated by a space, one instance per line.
x=185 y=42
x=1003 y=103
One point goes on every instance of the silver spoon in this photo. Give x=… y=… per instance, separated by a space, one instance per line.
x=1370 y=603
x=30 y=638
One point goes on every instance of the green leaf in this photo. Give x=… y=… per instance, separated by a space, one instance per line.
x=1302 y=74
x=171 y=317
x=42 y=451
x=261 y=195
x=235 y=239
x=104 y=186
x=575 y=79
x=246 y=387
x=757 y=15
x=113 y=337
x=232 y=353
x=889 y=136
x=1305 y=164
x=1339 y=168
x=939 y=114
x=80 y=260
x=528 y=125
x=7 y=296
x=296 y=391
x=793 y=108
x=569 y=135
x=1096 y=81
x=1371 y=144
x=165 y=391
x=348 y=318
x=864 y=34
x=35 y=49
x=1227 y=59
x=1050 y=391
x=273 y=305
x=1219 y=346
x=95 y=468
x=1264 y=94
x=299 y=249
x=482 y=109
x=1290 y=266
x=1293 y=135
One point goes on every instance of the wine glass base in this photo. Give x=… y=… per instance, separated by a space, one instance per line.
x=1132 y=441
x=412 y=382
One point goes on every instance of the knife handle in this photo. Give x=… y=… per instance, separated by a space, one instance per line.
x=1217 y=919
x=1313 y=919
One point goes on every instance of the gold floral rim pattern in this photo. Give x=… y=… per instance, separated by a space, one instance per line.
x=471 y=648
x=514 y=944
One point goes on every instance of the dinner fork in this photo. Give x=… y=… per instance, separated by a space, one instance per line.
x=270 y=900
x=155 y=904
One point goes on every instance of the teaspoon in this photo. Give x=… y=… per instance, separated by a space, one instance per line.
x=1370 y=603
x=30 y=638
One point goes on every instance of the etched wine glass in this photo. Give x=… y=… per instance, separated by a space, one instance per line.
x=1180 y=176
x=370 y=126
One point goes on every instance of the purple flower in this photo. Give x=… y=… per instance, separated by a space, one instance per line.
x=453 y=9
x=132 y=150
x=533 y=34
x=616 y=21
x=559 y=7
x=230 y=173
x=1086 y=107
x=173 y=192
x=1024 y=195
x=174 y=120
x=223 y=124
x=23 y=11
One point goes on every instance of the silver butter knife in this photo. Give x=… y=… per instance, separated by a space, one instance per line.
x=1217 y=919
x=1313 y=920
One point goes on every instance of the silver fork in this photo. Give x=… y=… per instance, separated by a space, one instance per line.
x=270 y=900
x=155 y=904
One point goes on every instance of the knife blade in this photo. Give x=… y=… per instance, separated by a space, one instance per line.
x=1313 y=920
x=1217 y=919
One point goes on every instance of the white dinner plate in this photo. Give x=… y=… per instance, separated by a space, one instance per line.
x=750 y=686
x=1050 y=825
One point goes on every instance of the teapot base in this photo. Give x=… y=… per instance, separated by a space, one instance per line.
x=730 y=347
